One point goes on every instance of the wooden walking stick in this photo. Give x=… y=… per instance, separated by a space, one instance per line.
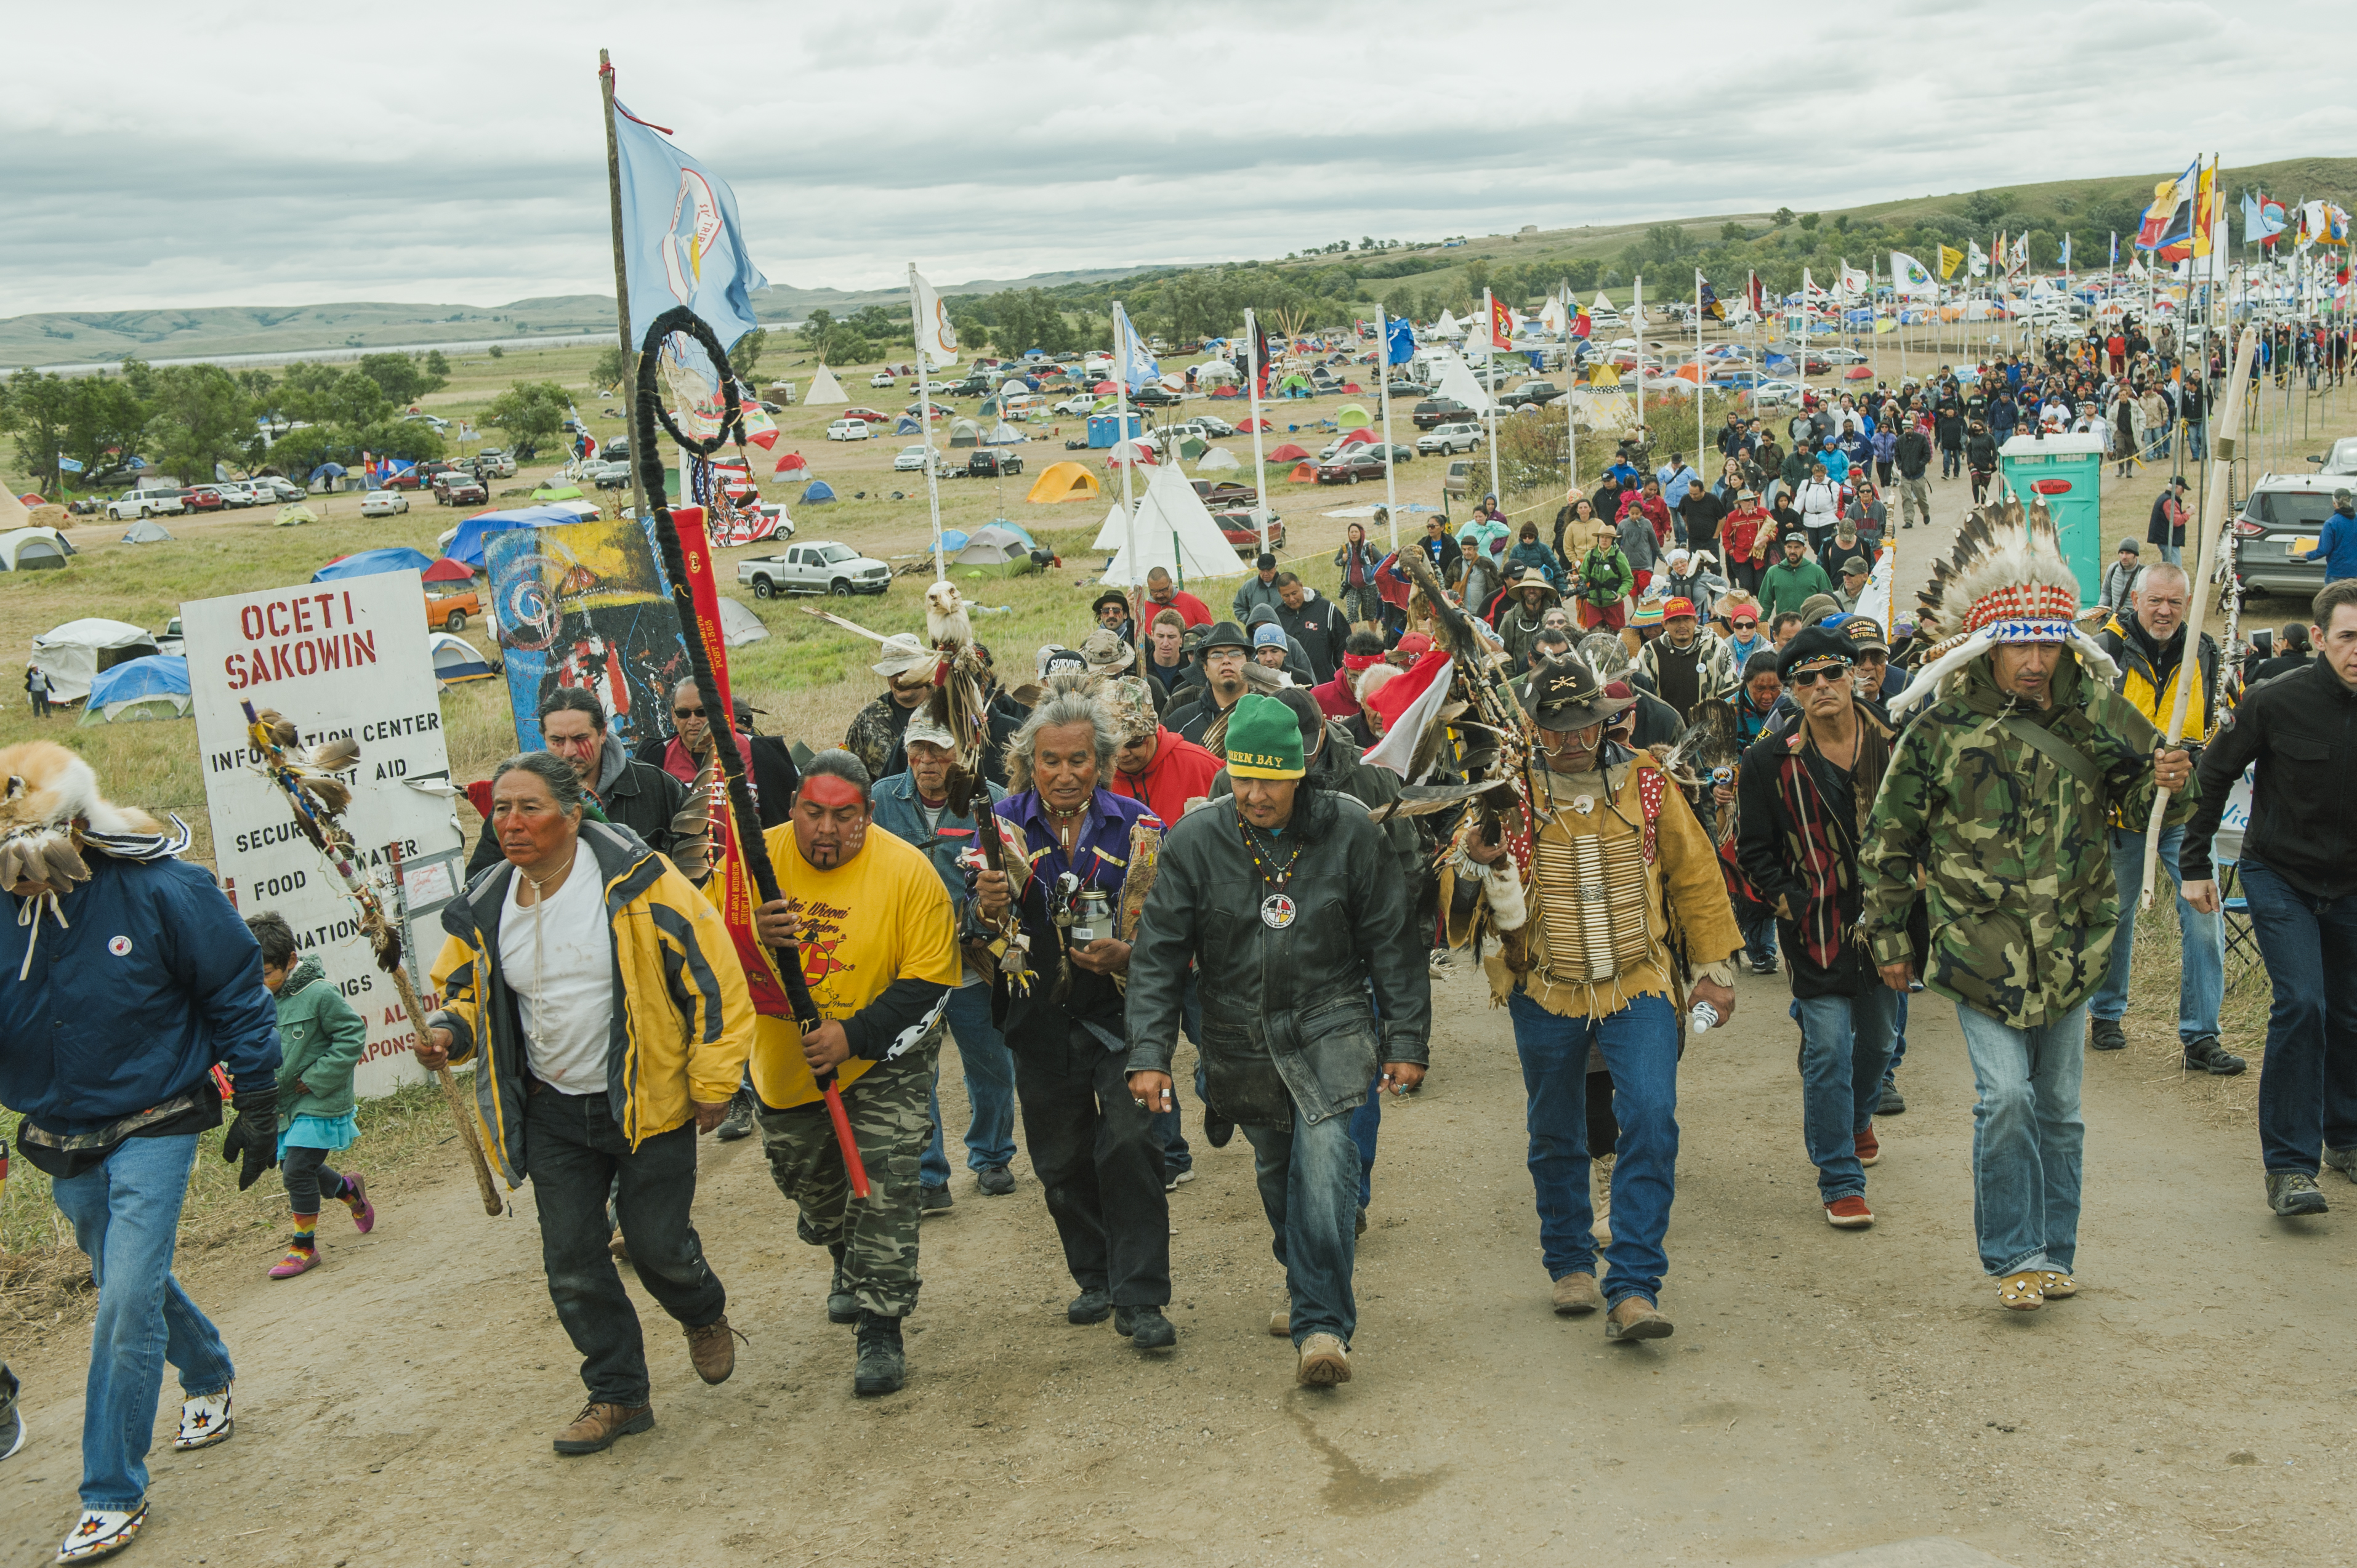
x=2213 y=522
x=318 y=801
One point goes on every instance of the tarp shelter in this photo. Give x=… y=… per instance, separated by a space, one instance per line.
x=739 y=624
x=455 y=659
x=965 y=432
x=33 y=550
x=1217 y=460
x=139 y=680
x=448 y=571
x=373 y=563
x=824 y=388
x=291 y=515
x=994 y=550
x=1004 y=435
x=816 y=491
x=1288 y=453
x=465 y=546
x=1063 y=482
x=1175 y=531
x=74 y=654
x=147 y=531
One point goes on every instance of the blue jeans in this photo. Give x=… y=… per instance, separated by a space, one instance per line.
x=2197 y=440
x=1640 y=1049
x=1176 y=1155
x=2307 y=1085
x=1366 y=1127
x=1309 y=1178
x=1844 y=1045
x=126 y=1215
x=1760 y=941
x=2027 y=1140
x=2201 y=961
x=989 y=1091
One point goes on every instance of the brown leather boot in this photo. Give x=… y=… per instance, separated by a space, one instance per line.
x=1575 y=1295
x=595 y=1429
x=1636 y=1319
x=712 y=1349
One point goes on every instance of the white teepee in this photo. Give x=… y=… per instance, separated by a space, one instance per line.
x=824 y=388
x=1175 y=531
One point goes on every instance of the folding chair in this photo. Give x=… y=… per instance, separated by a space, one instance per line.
x=2235 y=915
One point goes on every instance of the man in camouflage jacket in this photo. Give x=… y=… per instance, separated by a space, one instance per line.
x=1999 y=795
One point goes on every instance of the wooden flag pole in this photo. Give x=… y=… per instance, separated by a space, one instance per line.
x=621 y=273
x=2213 y=522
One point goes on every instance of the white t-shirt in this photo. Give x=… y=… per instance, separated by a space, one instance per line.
x=559 y=958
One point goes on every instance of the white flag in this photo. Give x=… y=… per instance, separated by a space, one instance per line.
x=1855 y=284
x=1909 y=277
x=1976 y=258
x=935 y=336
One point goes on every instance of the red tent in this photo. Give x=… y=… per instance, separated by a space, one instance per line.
x=1288 y=453
x=1858 y=373
x=1249 y=425
x=793 y=463
x=1354 y=388
x=1103 y=387
x=448 y=571
x=1364 y=433
x=1225 y=390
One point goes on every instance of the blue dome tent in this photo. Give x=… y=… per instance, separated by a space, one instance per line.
x=370 y=563
x=818 y=490
x=154 y=687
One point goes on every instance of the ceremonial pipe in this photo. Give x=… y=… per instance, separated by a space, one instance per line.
x=332 y=841
x=749 y=843
x=2213 y=522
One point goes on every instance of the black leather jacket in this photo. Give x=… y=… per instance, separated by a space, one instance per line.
x=1287 y=1028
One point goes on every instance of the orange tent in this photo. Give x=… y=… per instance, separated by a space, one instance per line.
x=1304 y=473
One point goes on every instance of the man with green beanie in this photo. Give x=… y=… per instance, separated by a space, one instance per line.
x=1285 y=896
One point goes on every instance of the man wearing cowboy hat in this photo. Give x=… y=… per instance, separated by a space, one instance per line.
x=1225 y=654
x=1287 y=902
x=1111 y=609
x=908 y=668
x=1623 y=889
x=1523 y=616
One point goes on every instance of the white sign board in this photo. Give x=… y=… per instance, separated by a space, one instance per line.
x=346 y=657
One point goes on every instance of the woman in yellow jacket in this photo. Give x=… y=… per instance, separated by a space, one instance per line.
x=601 y=999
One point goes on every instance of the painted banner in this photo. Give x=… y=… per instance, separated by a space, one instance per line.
x=585 y=605
x=347 y=658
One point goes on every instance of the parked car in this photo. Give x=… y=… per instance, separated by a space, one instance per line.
x=1443 y=440
x=617 y=449
x=1459 y=480
x=202 y=497
x=407 y=479
x=881 y=379
x=972 y=386
x=1435 y=411
x=2280 y=520
x=1076 y=407
x=497 y=462
x=1240 y=530
x=1531 y=394
x=450 y=612
x=1350 y=464
x=384 y=503
x=239 y=493
x=938 y=412
x=872 y=415
x=1225 y=493
x=909 y=459
x=608 y=476
x=147 y=501
x=2340 y=458
x=820 y=567
x=170 y=639
x=847 y=430
x=1154 y=396
x=990 y=462
x=280 y=489
x=452 y=488
x=1774 y=393
x=1840 y=355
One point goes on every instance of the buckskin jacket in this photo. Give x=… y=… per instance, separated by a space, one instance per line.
x=2011 y=839
x=1287 y=1028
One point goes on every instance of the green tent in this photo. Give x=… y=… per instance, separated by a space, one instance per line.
x=1296 y=381
x=1350 y=416
x=557 y=493
x=1192 y=446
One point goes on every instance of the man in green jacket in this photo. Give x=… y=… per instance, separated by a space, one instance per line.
x=1998 y=795
x=1792 y=582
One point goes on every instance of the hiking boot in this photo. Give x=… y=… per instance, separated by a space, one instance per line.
x=2294 y=1193
x=1324 y=1362
x=1892 y=1101
x=932 y=1198
x=1636 y=1319
x=1848 y=1212
x=1089 y=1306
x=712 y=1349
x=842 y=1302
x=101 y=1532
x=996 y=1181
x=1145 y=1327
x=883 y=1364
x=2341 y=1160
x=2105 y=1035
x=2205 y=1054
x=595 y=1429
x=738 y=1123
x=1575 y=1295
x=1280 y=1322
x=1869 y=1149
x=301 y=1258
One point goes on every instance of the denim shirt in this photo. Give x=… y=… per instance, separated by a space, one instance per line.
x=899 y=812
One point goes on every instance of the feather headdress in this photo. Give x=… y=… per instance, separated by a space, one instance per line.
x=50 y=810
x=2006 y=581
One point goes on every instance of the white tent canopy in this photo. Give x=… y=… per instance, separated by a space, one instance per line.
x=824 y=388
x=739 y=624
x=1175 y=531
x=33 y=549
x=1219 y=459
x=71 y=655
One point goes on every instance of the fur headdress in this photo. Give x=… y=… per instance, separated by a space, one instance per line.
x=2006 y=581
x=50 y=812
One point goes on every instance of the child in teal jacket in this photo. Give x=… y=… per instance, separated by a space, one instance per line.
x=320 y=1039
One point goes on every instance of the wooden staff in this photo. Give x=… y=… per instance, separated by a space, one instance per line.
x=2213 y=522
x=335 y=845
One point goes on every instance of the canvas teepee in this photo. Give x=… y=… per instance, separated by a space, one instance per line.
x=1175 y=531
x=824 y=388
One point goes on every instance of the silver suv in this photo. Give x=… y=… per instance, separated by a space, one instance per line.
x=1449 y=439
x=2279 y=521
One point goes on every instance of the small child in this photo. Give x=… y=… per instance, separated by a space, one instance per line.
x=319 y=1040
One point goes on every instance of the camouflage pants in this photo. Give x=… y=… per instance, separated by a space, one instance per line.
x=891 y=1117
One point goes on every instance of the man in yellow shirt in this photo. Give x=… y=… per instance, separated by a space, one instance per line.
x=880 y=950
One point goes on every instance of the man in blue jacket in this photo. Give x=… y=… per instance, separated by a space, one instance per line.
x=2337 y=546
x=132 y=977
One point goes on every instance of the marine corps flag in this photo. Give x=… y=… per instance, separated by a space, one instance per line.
x=1706 y=298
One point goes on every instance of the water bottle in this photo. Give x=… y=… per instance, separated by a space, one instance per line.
x=1702 y=1019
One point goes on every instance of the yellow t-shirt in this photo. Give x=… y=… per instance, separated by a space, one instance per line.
x=882 y=916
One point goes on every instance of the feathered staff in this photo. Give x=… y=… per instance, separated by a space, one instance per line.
x=307 y=778
x=1485 y=714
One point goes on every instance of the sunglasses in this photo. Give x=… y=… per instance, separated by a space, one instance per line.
x=1804 y=678
x=687 y=712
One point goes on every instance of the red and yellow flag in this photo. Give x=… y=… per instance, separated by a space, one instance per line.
x=1501 y=322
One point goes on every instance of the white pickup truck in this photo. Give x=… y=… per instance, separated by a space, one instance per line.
x=822 y=567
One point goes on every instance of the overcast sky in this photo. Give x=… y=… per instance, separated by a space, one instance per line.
x=271 y=153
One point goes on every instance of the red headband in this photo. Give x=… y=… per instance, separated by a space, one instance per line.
x=1361 y=660
x=831 y=792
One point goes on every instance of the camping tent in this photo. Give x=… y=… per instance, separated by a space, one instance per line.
x=1358 y=437
x=1456 y=380
x=147 y=531
x=33 y=550
x=824 y=388
x=448 y=571
x=1288 y=453
x=455 y=660
x=1174 y=532
x=993 y=550
x=816 y=491
x=1004 y=435
x=373 y=563
x=465 y=546
x=907 y=427
x=1304 y=473
x=1191 y=446
x=1216 y=371
x=739 y=624
x=965 y=432
x=1295 y=382
x=1063 y=482
x=1447 y=325
x=557 y=493
x=12 y=514
x=1217 y=460
x=1134 y=452
x=791 y=463
x=154 y=687
x=73 y=655
x=293 y=515
x=1351 y=416
x=1249 y=425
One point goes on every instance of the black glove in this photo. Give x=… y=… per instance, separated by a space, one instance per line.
x=254 y=1135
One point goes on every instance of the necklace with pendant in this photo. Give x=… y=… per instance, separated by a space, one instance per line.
x=1276 y=908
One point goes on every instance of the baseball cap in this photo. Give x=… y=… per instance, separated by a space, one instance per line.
x=922 y=728
x=1268 y=634
x=1673 y=608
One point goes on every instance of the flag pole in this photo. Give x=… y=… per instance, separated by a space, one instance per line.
x=623 y=279
x=1637 y=320
x=1384 y=386
x=1125 y=461
x=1260 y=463
x=925 y=422
x=1490 y=336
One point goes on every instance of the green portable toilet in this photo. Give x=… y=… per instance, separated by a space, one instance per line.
x=2066 y=472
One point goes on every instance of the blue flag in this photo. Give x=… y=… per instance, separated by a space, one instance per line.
x=681 y=241
x=70 y=464
x=1136 y=366
x=1399 y=341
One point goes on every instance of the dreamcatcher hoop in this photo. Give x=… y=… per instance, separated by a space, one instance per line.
x=661 y=365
